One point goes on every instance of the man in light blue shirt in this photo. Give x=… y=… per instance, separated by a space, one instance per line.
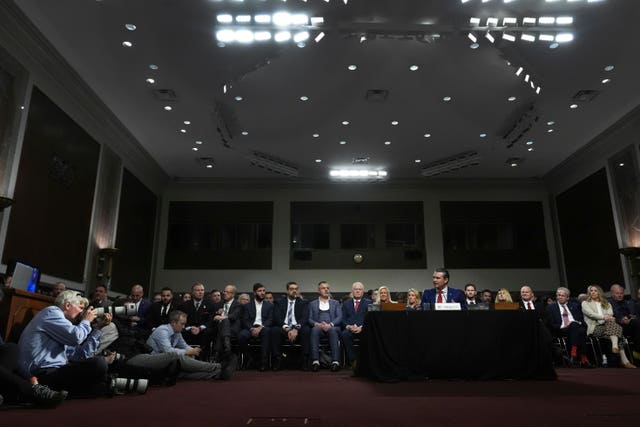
x=168 y=347
x=61 y=353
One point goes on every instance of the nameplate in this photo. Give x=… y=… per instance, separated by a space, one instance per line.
x=448 y=306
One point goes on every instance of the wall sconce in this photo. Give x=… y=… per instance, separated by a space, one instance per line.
x=104 y=265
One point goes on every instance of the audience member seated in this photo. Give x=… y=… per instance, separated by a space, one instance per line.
x=325 y=318
x=441 y=292
x=215 y=297
x=528 y=301
x=503 y=296
x=199 y=312
x=626 y=316
x=157 y=297
x=486 y=296
x=353 y=313
x=59 y=345
x=137 y=324
x=567 y=321
x=384 y=296
x=598 y=314
x=168 y=346
x=290 y=323
x=186 y=297
x=226 y=323
x=244 y=299
x=268 y=296
x=470 y=295
x=159 y=312
x=99 y=297
x=57 y=289
x=256 y=324
x=413 y=300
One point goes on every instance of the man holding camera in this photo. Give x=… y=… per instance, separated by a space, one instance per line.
x=59 y=344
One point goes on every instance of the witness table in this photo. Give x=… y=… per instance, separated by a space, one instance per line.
x=471 y=345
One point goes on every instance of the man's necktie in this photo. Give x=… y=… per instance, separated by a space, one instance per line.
x=225 y=312
x=565 y=316
x=164 y=310
x=198 y=305
x=439 y=300
x=528 y=305
x=290 y=314
x=356 y=304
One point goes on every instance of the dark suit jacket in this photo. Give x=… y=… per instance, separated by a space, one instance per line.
x=335 y=312
x=622 y=308
x=350 y=316
x=555 y=317
x=250 y=314
x=453 y=295
x=156 y=318
x=464 y=304
x=197 y=317
x=300 y=310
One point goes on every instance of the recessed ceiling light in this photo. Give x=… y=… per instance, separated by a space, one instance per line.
x=609 y=68
x=195 y=148
x=150 y=81
x=238 y=98
x=417 y=160
x=483 y=135
x=605 y=81
x=343 y=142
x=446 y=99
x=511 y=98
x=209 y=166
x=153 y=66
x=187 y=122
x=551 y=123
x=554 y=45
x=530 y=149
x=620 y=164
x=474 y=45
x=427 y=135
x=529 y=142
x=127 y=44
x=352 y=67
x=573 y=106
x=130 y=27
x=413 y=68
x=245 y=133
x=394 y=123
x=183 y=130
x=316 y=135
x=387 y=143
x=318 y=160
x=549 y=130
x=304 y=98
x=168 y=107
x=199 y=142
x=345 y=122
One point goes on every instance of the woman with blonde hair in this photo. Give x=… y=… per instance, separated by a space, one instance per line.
x=598 y=315
x=503 y=295
x=384 y=295
x=413 y=300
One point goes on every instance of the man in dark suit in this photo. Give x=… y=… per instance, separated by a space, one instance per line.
x=325 y=318
x=99 y=297
x=441 y=291
x=290 y=322
x=470 y=296
x=528 y=302
x=256 y=324
x=136 y=325
x=159 y=312
x=625 y=313
x=353 y=312
x=566 y=320
x=226 y=322
x=199 y=311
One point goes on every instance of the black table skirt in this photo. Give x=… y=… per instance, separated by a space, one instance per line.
x=470 y=345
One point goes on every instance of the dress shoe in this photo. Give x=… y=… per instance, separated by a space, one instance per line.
x=335 y=367
x=587 y=365
x=315 y=366
x=629 y=365
x=276 y=365
x=228 y=367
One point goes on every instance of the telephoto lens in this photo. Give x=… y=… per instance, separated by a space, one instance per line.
x=120 y=386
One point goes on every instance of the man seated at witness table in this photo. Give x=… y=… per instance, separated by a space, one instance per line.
x=59 y=345
x=290 y=323
x=626 y=316
x=441 y=292
x=413 y=300
x=168 y=346
x=598 y=314
x=503 y=296
x=470 y=295
x=325 y=318
x=353 y=313
x=567 y=321
x=256 y=324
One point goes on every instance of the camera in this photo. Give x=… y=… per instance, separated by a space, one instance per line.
x=120 y=386
x=125 y=309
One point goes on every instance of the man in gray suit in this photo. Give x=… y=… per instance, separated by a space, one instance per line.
x=325 y=317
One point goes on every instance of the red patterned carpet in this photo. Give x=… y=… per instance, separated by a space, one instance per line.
x=600 y=397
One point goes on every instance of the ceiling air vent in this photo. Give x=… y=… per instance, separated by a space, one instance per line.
x=586 y=95
x=273 y=164
x=360 y=160
x=450 y=164
x=165 y=95
x=377 y=95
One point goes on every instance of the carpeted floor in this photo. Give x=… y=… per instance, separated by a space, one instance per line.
x=600 y=397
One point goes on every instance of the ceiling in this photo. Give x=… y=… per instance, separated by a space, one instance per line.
x=180 y=38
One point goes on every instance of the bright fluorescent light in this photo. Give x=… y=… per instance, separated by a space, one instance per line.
x=243 y=19
x=474 y=21
x=546 y=20
x=492 y=22
x=282 y=36
x=282 y=19
x=262 y=35
x=472 y=37
x=528 y=37
x=508 y=37
x=299 y=19
x=509 y=21
x=526 y=78
x=520 y=70
x=225 y=18
x=564 y=20
x=317 y=20
x=564 y=37
x=319 y=37
x=546 y=37
x=244 y=36
x=489 y=37
x=528 y=21
x=301 y=36
x=262 y=19
x=225 y=36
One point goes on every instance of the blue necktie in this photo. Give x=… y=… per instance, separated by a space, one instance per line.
x=290 y=314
